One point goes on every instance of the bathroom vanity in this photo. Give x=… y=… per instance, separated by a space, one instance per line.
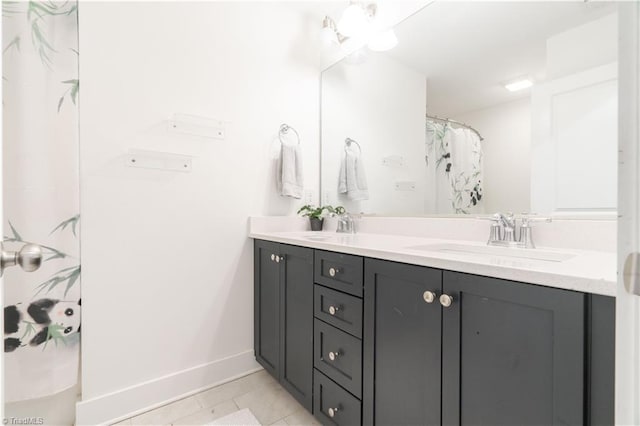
x=360 y=335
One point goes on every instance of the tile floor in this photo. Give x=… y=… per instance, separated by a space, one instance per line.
x=259 y=392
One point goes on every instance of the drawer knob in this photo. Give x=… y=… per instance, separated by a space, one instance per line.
x=334 y=355
x=446 y=300
x=332 y=412
x=273 y=257
x=333 y=271
x=429 y=296
x=333 y=309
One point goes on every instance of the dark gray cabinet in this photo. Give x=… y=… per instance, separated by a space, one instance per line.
x=388 y=351
x=283 y=316
x=512 y=353
x=501 y=353
x=601 y=341
x=337 y=342
x=402 y=350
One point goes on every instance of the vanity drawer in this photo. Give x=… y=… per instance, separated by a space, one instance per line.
x=338 y=309
x=332 y=405
x=340 y=271
x=339 y=356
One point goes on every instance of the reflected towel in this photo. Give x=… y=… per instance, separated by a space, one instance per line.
x=289 y=177
x=352 y=180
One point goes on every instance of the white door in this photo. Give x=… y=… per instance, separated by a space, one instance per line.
x=628 y=294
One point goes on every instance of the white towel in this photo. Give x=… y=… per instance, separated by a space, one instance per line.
x=352 y=180
x=289 y=178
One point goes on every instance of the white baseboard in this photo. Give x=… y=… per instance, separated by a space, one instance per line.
x=128 y=402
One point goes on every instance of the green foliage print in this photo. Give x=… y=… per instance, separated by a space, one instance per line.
x=466 y=187
x=67 y=277
x=40 y=15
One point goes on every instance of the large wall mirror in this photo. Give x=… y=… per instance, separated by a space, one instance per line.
x=481 y=107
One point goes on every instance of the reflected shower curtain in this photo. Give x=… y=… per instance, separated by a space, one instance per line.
x=41 y=196
x=454 y=169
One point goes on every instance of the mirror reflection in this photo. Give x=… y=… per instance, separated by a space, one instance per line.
x=481 y=107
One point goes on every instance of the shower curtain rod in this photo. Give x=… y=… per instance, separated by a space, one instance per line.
x=459 y=123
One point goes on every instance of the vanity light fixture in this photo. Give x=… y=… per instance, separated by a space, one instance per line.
x=520 y=84
x=358 y=26
x=329 y=33
x=382 y=41
x=355 y=20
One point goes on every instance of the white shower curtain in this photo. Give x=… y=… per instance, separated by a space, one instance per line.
x=454 y=169
x=41 y=196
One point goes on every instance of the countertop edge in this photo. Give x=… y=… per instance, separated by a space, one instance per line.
x=549 y=279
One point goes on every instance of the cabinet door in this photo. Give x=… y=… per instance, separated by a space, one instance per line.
x=296 y=343
x=513 y=353
x=402 y=345
x=601 y=344
x=267 y=306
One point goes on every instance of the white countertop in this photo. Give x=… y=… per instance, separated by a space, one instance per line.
x=586 y=271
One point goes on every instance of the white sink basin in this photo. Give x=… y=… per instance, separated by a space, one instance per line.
x=484 y=251
x=318 y=236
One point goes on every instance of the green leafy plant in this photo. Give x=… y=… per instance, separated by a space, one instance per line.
x=314 y=212
x=68 y=276
x=337 y=210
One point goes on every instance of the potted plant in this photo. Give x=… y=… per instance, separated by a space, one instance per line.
x=316 y=214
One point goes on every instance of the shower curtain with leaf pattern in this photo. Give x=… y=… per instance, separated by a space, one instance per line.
x=41 y=196
x=454 y=169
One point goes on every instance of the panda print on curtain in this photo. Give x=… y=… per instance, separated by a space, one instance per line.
x=41 y=196
x=454 y=169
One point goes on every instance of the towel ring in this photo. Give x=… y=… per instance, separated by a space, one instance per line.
x=348 y=142
x=284 y=129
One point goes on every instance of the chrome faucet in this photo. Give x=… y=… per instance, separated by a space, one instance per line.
x=503 y=230
x=346 y=224
x=508 y=224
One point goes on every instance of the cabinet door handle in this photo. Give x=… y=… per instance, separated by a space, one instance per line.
x=333 y=309
x=279 y=259
x=333 y=271
x=446 y=300
x=273 y=257
x=429 y=296
x=332 y=412
x=334 y=355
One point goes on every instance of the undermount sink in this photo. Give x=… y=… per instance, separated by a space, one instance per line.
x=318 y=236
x=521 y=253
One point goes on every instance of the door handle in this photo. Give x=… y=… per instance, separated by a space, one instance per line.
x=631 y=273
x=29 y=258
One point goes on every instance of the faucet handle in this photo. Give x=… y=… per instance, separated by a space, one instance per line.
x=529 y=218
x=493 y=218
x=526 y=237
x=495 y=233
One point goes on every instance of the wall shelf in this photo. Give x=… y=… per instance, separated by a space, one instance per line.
x=197 y=126
x=158 y=160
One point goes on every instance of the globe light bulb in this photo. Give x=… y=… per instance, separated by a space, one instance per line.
x=384 y=40
x=353 y=22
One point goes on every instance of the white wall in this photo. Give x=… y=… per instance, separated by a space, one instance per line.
x=381 y=104
x=167 y=267
x=506 y=129
x=574 y=116
x=585 y=46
